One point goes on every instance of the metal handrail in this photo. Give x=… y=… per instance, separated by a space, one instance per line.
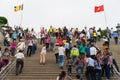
x=6 y=70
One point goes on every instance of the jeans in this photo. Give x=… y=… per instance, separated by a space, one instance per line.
x=74 y=58
x=90 y=73
x=67 y=51
x=79 y=73
x=29 y=51
x=70 y=69
x=33 y=48
x=108 y=71
x=51 y=46
x=116 y=40
x=42 y=40
x=12 y=51
x=98 y=76
x=56 y=57
x=61 y=61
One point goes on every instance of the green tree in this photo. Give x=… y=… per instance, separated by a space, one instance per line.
x=103 y=33
x=3 y=20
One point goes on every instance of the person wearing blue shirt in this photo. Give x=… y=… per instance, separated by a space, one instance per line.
x=88 y=49
x=115 y=36
x=14 y=36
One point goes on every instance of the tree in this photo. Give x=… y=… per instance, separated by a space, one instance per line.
x=3 y=21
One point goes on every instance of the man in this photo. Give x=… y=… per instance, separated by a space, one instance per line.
x=90 y=75
x=67 y=49
x=61 y=52
x=21 y=45
x=19 y=62
x=93 y=51
x=74 y=53
x=52 y=42
x=115 y=36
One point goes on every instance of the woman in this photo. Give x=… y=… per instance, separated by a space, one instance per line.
x=42 y=55
x=5 y=56
x=13 y=47
x=29 y=49
x=47 y=42
x=34 y=47
x=63 y=76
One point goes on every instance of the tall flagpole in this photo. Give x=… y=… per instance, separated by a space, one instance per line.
x=106 y=24
x=21 y=18
x=105 y=16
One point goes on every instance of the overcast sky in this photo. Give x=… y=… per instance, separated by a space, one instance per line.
x=59 y=13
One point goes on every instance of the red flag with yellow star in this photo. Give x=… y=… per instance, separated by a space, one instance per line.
x=99 y=8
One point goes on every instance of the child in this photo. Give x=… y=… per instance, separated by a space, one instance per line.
x=69 y=65
x=43 y=54
x=6 y=56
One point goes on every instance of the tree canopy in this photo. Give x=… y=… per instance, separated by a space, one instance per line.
x=3 y=20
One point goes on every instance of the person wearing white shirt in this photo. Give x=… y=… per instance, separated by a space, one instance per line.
x=61 y=51
x=99 y=35
x=67 y=49
x=7 y=35
x=29 y=49
x=21 y=45
x=43 y=54
x=19 y=62
x=42 y=38
x=93 y=51
x=90 y=68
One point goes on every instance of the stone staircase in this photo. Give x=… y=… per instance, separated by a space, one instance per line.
x=34 y=71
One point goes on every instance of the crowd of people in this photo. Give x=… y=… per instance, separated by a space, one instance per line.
x=74 y=48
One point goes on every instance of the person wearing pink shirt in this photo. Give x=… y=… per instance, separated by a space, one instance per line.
x=13 y=47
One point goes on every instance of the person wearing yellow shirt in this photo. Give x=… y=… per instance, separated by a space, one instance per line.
x=51 y=30
x=74 y=53
x=95 y=36
x=64 y=41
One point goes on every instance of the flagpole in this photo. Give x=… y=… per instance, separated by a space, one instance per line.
x=105 y=15
x=21 y=18
x=105 y=18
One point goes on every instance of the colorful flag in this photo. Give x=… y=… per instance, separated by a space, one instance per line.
x=21 y=7
x=99 y=8
x=18 y=8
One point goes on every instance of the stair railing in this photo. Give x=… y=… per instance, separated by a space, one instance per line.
x=5 y=70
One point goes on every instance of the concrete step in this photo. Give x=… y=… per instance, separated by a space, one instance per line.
x=34 y=71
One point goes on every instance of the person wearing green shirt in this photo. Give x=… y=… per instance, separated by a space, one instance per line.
x=74 y=53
